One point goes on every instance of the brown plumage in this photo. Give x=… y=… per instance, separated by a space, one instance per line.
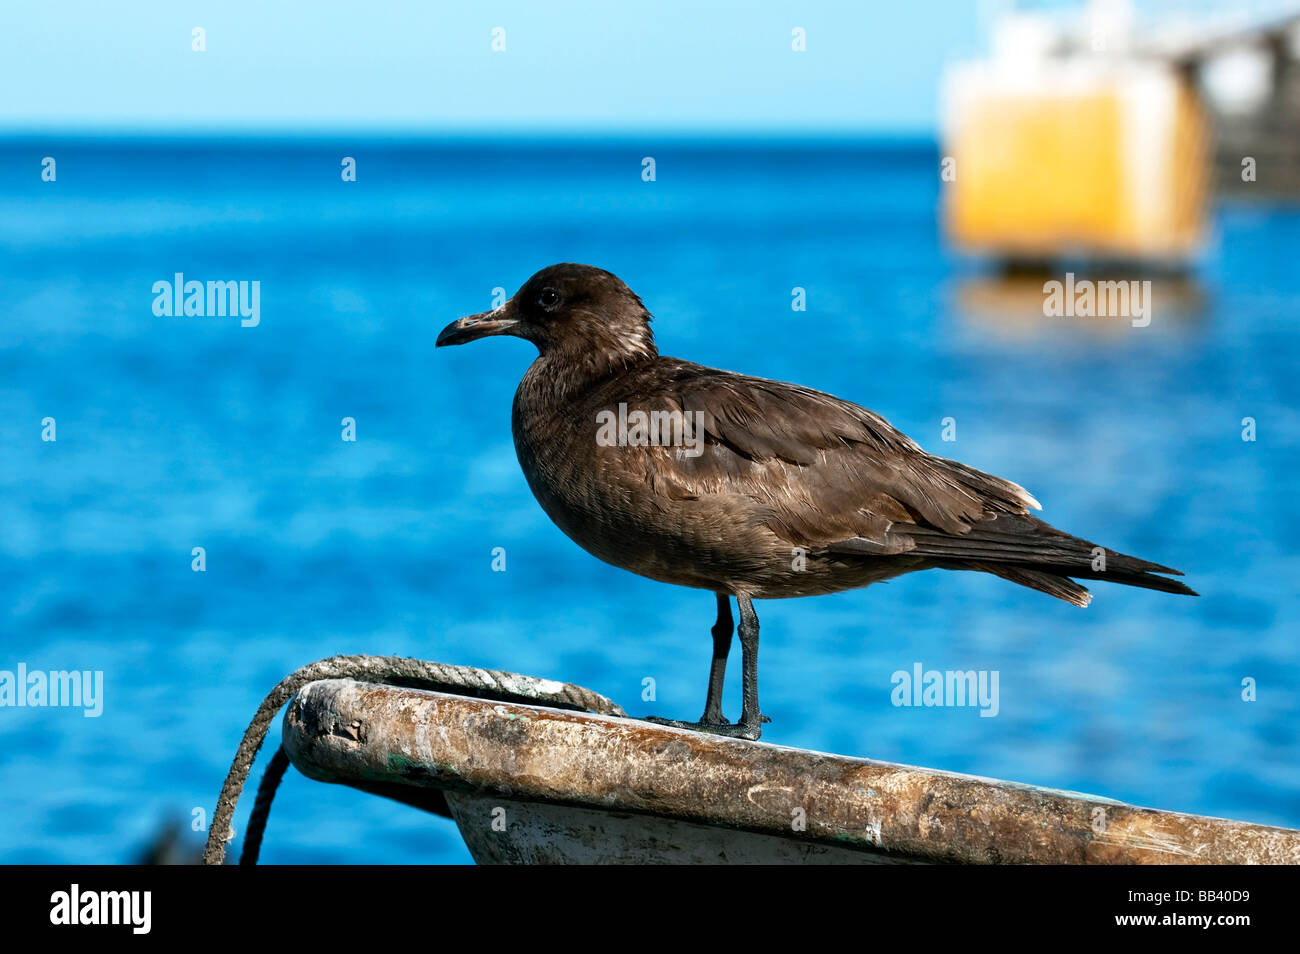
x=782 y=491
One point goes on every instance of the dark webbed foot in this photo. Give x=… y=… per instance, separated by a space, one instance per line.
x=741 y=730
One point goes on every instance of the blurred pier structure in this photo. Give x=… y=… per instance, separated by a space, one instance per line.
x=1099 y=131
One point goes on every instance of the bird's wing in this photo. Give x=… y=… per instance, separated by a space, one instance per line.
x=824 y=471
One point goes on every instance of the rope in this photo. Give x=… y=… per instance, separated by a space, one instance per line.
x=492 y=683
x=262 y=807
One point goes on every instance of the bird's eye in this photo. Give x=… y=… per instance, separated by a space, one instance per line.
x=549 y=298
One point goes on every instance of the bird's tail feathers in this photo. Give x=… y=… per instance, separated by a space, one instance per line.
x=1025 y=550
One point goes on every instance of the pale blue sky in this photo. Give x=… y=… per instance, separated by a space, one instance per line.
x=428 y=67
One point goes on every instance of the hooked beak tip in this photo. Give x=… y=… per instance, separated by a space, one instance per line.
x=473 y=327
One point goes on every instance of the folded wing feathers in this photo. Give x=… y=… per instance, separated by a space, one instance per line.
x=840 y=476
x=766 y=420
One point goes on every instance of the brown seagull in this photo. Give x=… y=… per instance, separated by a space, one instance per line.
x=746 y=487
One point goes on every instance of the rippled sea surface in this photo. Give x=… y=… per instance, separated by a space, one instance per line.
x=174 y=433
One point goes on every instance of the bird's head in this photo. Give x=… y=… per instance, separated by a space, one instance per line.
x=568 y=311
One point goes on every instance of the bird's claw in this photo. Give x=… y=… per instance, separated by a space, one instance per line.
x=739 y=730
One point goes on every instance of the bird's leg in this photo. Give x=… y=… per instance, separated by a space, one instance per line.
x=722 y=630
x=713 y=716
x=751 y=721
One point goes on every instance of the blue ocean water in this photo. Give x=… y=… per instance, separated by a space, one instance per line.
x=177 y=432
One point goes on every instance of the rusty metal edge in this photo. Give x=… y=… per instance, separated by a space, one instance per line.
x=364 y=734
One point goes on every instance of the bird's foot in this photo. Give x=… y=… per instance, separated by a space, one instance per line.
x=744 y=729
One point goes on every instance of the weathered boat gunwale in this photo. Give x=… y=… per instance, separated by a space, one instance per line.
x=380 y=738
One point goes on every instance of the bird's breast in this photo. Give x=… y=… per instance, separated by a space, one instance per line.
x=610 y=499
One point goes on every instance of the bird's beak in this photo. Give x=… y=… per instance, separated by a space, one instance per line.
x=471 y=327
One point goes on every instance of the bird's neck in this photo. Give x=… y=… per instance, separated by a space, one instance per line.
x=560 y=377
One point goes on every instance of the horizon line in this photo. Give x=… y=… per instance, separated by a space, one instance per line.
x=468 y=134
